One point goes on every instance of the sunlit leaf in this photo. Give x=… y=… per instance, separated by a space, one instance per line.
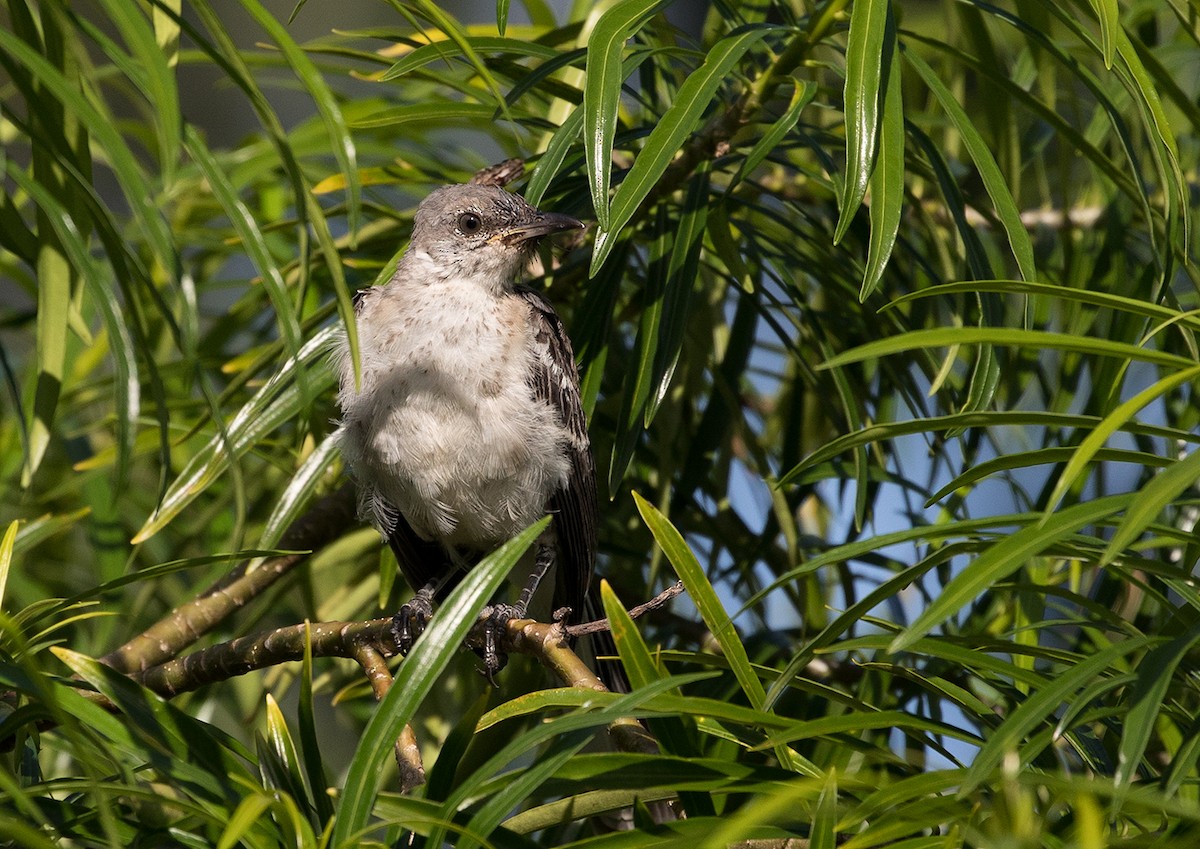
x=870 y=48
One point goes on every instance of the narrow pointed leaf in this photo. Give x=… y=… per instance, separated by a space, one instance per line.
x=1002 y=559
x=552 y=158
x=418 y=675
x=146 y=43
x=1109 y=16
x=6 y=555
x=802 y=94
x=340 y=140
x=602 y=92
x=678 y=122
x=1039 y=708
x=1109 y=425
x=701 y=591
x=886 y=183
x=1033 y=339
x=444 y=51
x=252 y=239
x=993 y=179
x=869 y=51
x=276 y=402
x=1162 y=490
x=1147 y=698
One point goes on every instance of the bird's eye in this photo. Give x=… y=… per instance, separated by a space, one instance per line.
x=469 y=223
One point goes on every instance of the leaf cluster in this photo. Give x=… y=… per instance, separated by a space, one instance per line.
x=887 y=333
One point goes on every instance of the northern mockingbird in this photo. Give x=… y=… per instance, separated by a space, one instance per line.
x=467 y=425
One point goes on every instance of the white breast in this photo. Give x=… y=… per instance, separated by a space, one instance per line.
x=444 y=426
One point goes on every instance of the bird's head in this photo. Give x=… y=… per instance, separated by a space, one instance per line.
x=482 y=232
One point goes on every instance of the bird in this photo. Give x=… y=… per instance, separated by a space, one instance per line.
x=466 y=424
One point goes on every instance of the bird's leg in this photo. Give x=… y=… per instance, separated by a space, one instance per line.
x=409 y=622
x=542 y=561
x=497 y=616
x=412 y=617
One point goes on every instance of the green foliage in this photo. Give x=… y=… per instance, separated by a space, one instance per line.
x=928 y=468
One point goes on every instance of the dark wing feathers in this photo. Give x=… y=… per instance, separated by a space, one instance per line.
x=555 y=380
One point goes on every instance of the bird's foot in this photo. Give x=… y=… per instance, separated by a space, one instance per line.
x=409 y=622
x=493 y=623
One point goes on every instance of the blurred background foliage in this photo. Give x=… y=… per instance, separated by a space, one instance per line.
x=889 y=312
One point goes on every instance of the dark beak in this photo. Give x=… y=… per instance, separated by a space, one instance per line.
x=543 y=225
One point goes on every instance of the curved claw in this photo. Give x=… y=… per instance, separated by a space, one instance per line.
x=495 y=621
x=410 y=620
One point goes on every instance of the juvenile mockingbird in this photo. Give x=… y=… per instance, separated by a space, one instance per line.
x=467 y=425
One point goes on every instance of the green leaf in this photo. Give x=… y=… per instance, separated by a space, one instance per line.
x=824 y=826
x=677 y=123
x=243 y=820
x=126 y=384
x=151 y=48
x=552 y=158
x=283 y=749
x=314 y=766
x=1109 y=425
x=1166 y=154
x=455 y=32
x=858 y=722
x=870 y=49
x=802 y=94
x=701 y=592
x=682 y=272
x=446 y=50
x=1014 y=733
x=341 y=143
x=55 y=278
x=200 y=755
x=959 y=421
x=1109 y=16
x=1039 y=457
x=676 y=734
x=1002 y=559
x=886 y=183
x=426 y=113
x=252 y=239
x=132 y=181
x=1155 y=674
x=602 y=91
x=635 y=654
x=993 y=180
x=1162 y=490
x=6 y=555
x=704 y=596
x=299 y=490
x=417 y=677
x=630 y=421
x=947 y=337
x=166 y=14
x=1106 y=300
x=496 y=774
x=276 y=402
x=516 y=789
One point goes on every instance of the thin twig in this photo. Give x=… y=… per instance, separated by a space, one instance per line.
x=658 y=601
x=408 y=753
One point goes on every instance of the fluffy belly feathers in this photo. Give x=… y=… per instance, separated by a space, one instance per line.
x=445 y=427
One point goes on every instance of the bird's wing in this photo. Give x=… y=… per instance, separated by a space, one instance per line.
x=421 y=561
x=554 y=379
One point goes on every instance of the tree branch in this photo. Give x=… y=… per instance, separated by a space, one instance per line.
x=408 y=753
x=321 y=524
